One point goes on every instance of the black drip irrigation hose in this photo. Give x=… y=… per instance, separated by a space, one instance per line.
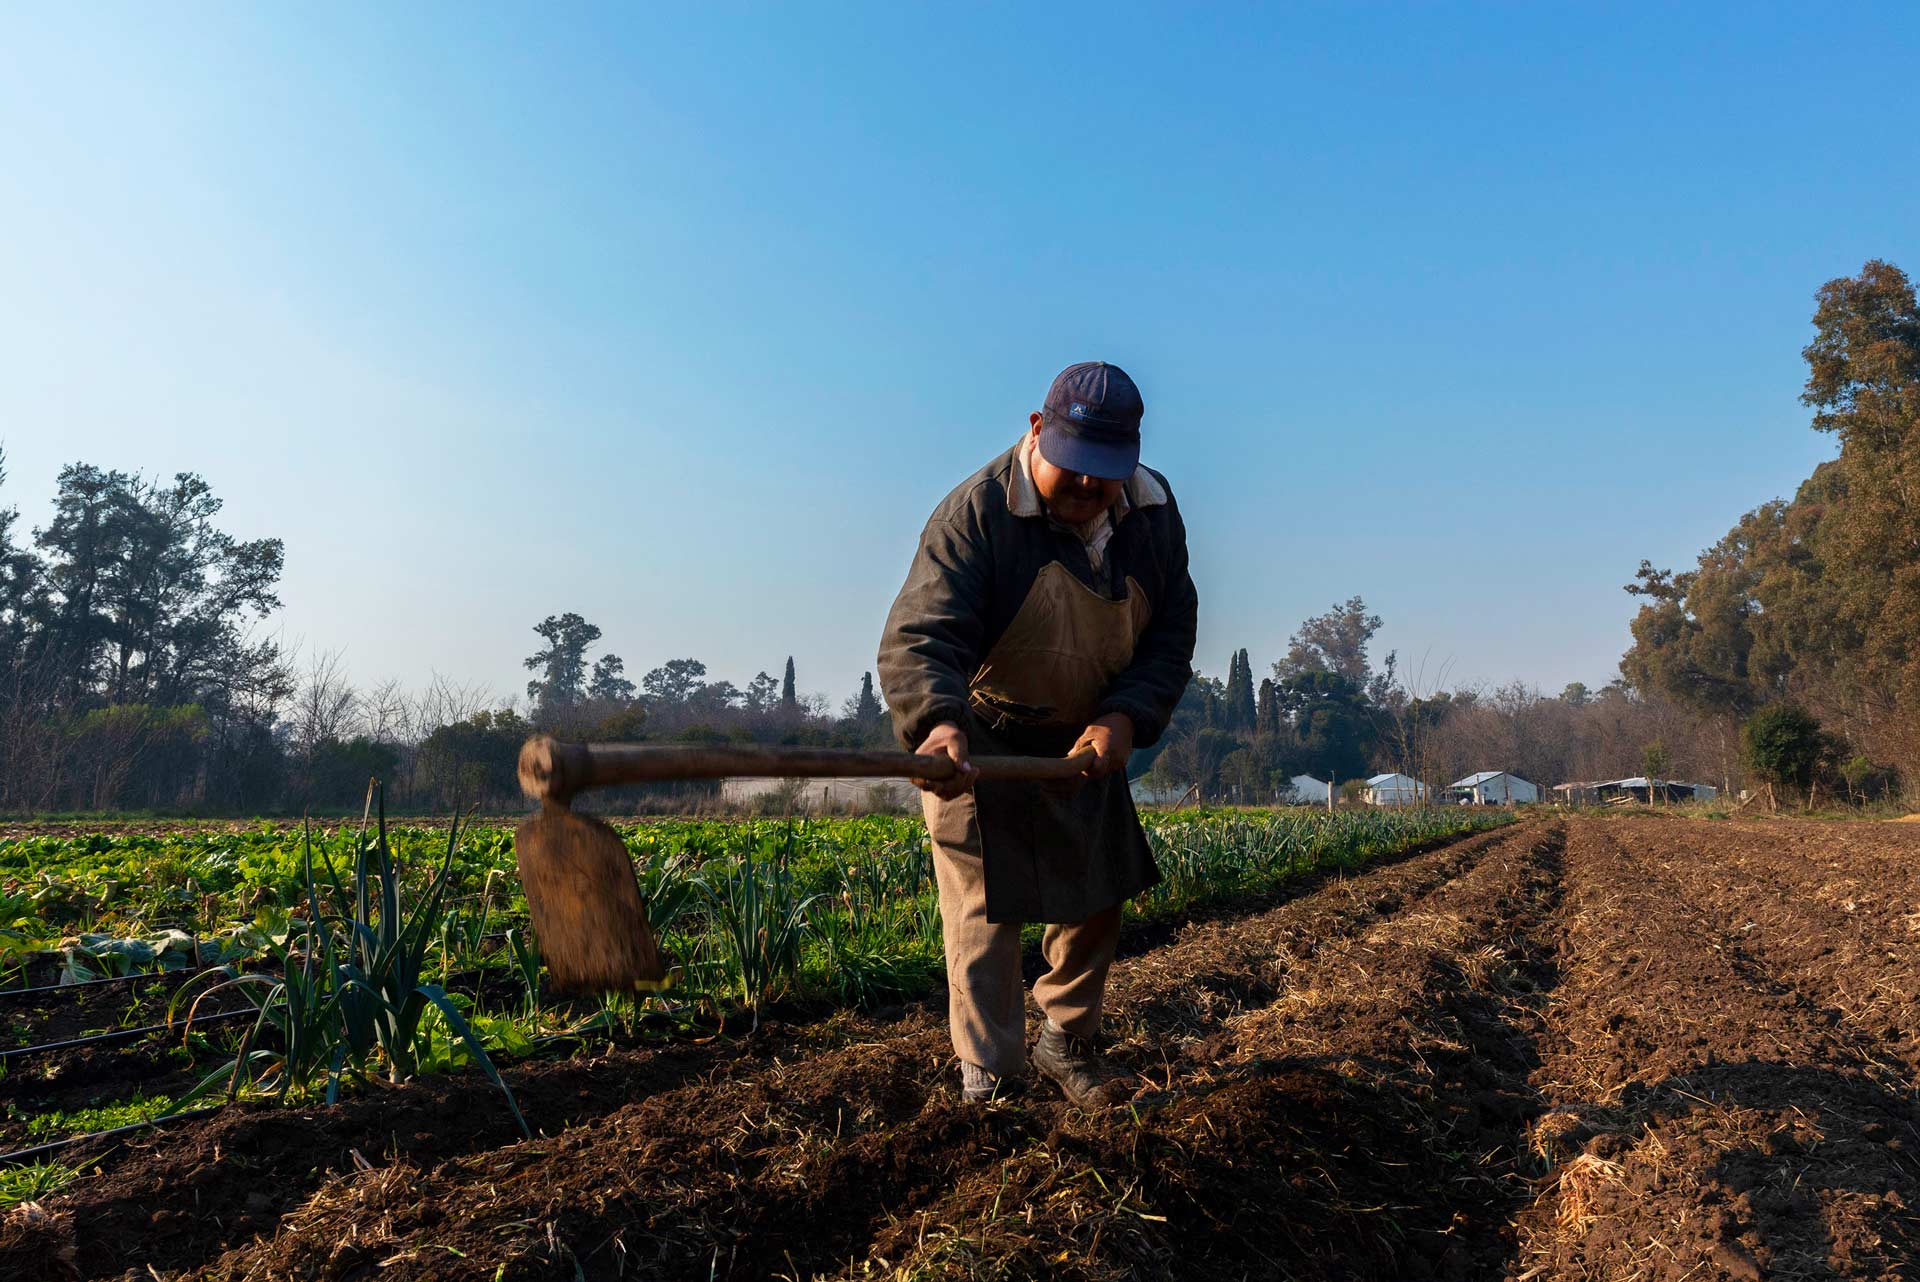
x=185 y=1025
x=41 y=1150
x=130 y=1034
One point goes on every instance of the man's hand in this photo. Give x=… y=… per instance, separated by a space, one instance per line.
x=948 y=740
x=1111 y=738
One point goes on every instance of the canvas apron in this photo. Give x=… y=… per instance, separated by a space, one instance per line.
x=1050 y=854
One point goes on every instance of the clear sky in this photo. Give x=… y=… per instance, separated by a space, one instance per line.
x=683 y=317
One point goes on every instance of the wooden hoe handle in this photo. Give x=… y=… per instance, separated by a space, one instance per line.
x=553 y=771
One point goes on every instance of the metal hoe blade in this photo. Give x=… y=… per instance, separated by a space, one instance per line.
x=586 y=905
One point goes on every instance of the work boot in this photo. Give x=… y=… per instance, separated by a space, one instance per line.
x=977 y=1085
x=1072 y=1063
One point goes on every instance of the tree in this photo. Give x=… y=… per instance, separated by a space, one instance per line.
x=715 y=699
x=789 y=700
x=1331 y=722
x=607 y=684
x=1267 y=721
x=863 y=707
x=1784 y=746
x=474 y=761
x=326 y=705
x=1575 y=695
x=1245 y=777
x=763 y=694
x=1816 y=600
x=1240 y=708
x=562 y=665
x=674 y=683
x=19 y=582
x=1193 y=761
x=1655 y=764
x=143 y=599
x=1333 y=642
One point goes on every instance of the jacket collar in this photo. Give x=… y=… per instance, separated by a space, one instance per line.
x=1142 y=489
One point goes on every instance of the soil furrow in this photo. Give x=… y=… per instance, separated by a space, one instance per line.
x=1168 y=1003
x=177 y=1198
x=1597 y=1049
x=1834 y=930
x=1705 y=1121
x=1362 y=1139
x=800 y=1167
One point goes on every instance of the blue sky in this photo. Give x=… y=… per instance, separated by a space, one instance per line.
x=683 y=318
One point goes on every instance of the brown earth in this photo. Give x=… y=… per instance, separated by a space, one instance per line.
x=1578 y=1050
x=1707 y=1115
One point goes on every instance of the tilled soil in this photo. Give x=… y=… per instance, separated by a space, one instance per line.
x=1587 y=1049
x=1708 y=1114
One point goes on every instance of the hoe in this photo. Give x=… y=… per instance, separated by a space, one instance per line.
x=581 y=888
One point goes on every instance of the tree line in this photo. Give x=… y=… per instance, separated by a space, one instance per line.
x=135 y=672
x=1325 y=710
x=134 y=675
x=1799 y=632
x=1788 y=659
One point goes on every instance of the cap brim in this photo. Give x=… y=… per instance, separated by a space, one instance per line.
x=1109 y=461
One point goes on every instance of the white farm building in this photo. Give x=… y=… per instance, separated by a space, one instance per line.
x=1394 y=790
x=1492 y=788
x=1305 y=790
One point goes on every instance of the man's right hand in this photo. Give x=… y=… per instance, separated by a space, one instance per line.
x=948 y=740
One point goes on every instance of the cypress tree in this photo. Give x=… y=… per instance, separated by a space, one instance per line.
x=789 y=700
x=1240 y=706
x=1267 y=719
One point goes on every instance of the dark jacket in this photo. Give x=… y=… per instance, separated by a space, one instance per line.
x=1048 y=857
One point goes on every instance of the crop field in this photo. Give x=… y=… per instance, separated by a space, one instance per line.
x=1366 y=1046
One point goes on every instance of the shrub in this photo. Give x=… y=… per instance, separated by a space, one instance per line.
x=1783 y=745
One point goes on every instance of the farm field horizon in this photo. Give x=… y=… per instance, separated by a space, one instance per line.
x=960 y=644
x=1567 y=1047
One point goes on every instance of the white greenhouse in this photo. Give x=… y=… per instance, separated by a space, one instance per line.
x=1395 y=790
x=1305 y=790
x=1492 y=788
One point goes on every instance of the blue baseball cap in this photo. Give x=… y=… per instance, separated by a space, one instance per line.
x=1090 y=423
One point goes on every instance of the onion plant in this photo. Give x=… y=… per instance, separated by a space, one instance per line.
x=352 y=993
x=760 y=919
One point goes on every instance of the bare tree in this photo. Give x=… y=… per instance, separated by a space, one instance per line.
x=447 y=702
x=1408 y=715
x=386 y=713
x=325 y=705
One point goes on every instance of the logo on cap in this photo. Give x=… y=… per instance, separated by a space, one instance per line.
x=1077 y=410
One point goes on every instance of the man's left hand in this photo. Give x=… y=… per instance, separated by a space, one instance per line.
x=1111 y=738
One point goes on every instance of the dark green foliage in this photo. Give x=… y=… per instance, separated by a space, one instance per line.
x=1817 y=598
x=1783 y=745
x=471 y=762
x=1332 y=722
x=1334 y=642
x=1267 y=714
x=863 y=708
x=1656 y=763
x=126 y=664
x=608 y=685
x=354 y=993
x=1240 y=708
x=338 y=773
x=562 y=665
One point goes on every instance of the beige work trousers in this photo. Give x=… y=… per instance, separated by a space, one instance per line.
x=987 y=1002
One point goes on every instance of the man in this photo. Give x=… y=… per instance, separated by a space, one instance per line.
x=1048 y=610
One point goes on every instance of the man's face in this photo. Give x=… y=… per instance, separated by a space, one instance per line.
x=1072 y=498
